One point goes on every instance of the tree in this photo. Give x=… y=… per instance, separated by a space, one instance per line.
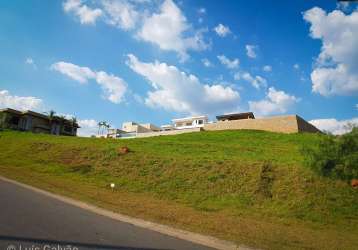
x=107 y=126
x=73 y=121
x=100 y=124
x=51 y=116
x=335 y=156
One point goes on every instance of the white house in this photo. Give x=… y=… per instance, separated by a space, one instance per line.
x=190 y=122
x=167 y=127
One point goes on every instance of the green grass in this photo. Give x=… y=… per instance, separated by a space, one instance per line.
x=247 y=186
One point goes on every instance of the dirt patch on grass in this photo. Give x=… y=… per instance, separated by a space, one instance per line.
x=266 y=180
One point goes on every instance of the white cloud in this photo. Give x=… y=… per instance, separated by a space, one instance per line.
x=166 y=27
x=88 y=127
x=77 y=73
x=222 y=30
x=267 y=68
x=30 y=61
x=19 y=102
x=85 y=14
x=177 y=91
x=113 y=87
x=206 y=62
x=343 y=6
x=231 y=64
x=276 y=102
x=256 y=81
x=357 y=106
x=121 y=14
x=296 y=66
x=251 y=50
x=168 y=30
x=336 y=69
x=202 y=10
x=336 y=127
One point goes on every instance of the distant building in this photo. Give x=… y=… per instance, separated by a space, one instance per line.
x=115 y=133
x=236 y=116
x=167 y=127
x=190 y=122
x=133 y=127
x=36 y=122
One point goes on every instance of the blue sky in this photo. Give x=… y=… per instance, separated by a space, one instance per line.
x=152 y=61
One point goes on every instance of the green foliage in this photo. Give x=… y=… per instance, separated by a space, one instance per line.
x=336 y=157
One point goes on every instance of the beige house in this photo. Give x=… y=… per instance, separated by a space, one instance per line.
x=36 y=122
x=133 y=127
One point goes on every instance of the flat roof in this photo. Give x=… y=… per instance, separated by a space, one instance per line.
x=190 y=118
x=33 y=113
x=236 y=116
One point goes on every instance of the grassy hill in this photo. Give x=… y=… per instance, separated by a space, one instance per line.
x=250 y=187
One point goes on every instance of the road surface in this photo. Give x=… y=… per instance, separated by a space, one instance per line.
x=34 y=221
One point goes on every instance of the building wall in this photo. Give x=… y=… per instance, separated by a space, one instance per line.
x=170 y=132
x=150 y=127
x=40 y=125
x=282 y=124
x=34 y=123
x=304 y=126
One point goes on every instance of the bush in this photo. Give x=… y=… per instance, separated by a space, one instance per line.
x=335 y=157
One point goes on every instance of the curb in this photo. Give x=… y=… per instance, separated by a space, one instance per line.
x=167 y=230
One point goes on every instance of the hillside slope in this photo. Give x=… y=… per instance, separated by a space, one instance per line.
x=247 y=186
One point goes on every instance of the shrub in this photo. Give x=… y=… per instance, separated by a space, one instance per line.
x=335 y=156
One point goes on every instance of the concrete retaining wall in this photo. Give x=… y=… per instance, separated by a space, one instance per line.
x=170 y=132
x=281 y=124
x=304 y=126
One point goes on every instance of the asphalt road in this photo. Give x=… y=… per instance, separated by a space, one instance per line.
x=33 y=221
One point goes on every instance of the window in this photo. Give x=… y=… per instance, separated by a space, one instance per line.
x=67 y=129
x=200 y=121
x=14 y=120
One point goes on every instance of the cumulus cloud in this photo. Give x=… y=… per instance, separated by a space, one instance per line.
x=336 y=68
x=77 y=73
x=121 y=14
x=275 y=102
x=267 y=68
x=88 y=127
x=256 y=81
x=168 y=29
x=251 y=50
x=85 y=14
x=177 y=91
x=19 y=102
x=222 y=30
x=31 y=62
x=113 y=87
x=231 y=64
x=202 y=10
x=161 y=23
x=336 y=127
x=206 y=62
